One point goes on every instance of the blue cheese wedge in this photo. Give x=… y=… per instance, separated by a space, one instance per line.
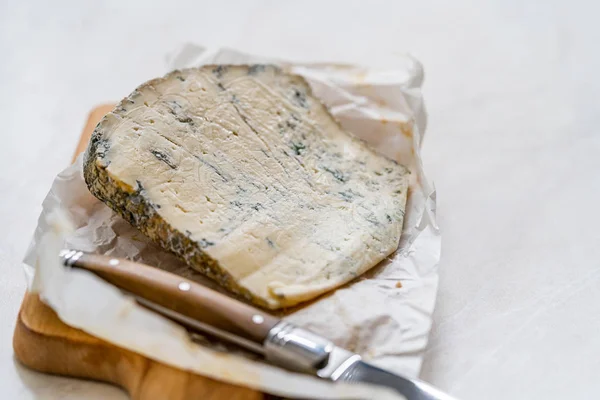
x=244 y=174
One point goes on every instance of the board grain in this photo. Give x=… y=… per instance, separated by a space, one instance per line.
x=41 y=341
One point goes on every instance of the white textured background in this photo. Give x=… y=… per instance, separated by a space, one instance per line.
x=513 y=146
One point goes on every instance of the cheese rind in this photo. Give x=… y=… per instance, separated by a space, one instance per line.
x=245 y=175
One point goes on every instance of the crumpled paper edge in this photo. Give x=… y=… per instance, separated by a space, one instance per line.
x=420 y=264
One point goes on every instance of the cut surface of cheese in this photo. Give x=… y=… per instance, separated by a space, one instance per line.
x=245 y=175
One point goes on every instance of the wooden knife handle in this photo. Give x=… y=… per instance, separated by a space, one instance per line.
x=181 y=295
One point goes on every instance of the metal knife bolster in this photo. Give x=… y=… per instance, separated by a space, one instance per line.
x=296 y=348
x=300 y=350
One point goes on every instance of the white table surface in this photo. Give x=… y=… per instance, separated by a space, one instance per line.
x=512 y=144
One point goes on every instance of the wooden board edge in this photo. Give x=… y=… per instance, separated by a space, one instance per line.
x=62 y=355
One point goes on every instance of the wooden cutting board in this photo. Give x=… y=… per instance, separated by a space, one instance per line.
x=44 y=343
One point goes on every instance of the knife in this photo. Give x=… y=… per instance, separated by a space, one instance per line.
x=201 y=309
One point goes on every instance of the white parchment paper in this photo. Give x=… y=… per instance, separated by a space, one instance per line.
x=384 y=315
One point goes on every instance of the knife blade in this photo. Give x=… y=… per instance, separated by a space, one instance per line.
x=201 y=309
x=354 y=369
